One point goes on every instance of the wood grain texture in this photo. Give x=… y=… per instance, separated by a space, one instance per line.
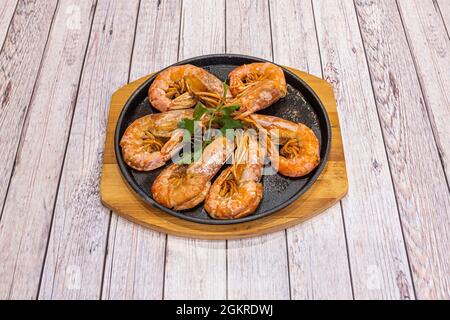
x=423 y=195
x=207 y=258
x=135 y=260
x=7 y=8
x=444 y=8
x=257 y=268
x=430 y=47
x=76 y=252
x=386 y=120
x=29 y=204
x=195 y=269
x=19 y=65
x=202 y=28
x=377 y=254
x=318 y=264
x=134 y=267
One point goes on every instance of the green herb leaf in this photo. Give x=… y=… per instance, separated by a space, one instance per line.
x=206 y=143
x=188 y=124
x=227 y=111
x=199 y=111
x=225 y=89
x=229 y=123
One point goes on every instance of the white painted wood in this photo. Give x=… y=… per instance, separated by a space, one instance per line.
x=294 y=35
x=19 y=65
x=421 y=187
x=318 y=263
x=377 y=253
x=202 y=28
x=444 y=8
x=7 y=8
x=156 y=43
x=134 y=263
x=430 y=46
x=76 y=252
x=196 y=269
x=248 y=28
x=257 y=267
x=29 y=204
x=136 y=255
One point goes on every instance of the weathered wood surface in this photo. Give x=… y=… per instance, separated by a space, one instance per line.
x=202 y=25
x=444 y=9
x=7 y=8
x=27 y=216
x=388 y=62
x=20 y=59
x=426 y=217
x=370 y=209
x=78 y=239
x=318 y=264
x=136 y=255
x=430 y=46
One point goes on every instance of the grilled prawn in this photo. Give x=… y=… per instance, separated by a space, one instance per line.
x=238 y=191
x=183 y=187
x=149 y=142
x=256 y=86
x=299 y=153
x=181 y=87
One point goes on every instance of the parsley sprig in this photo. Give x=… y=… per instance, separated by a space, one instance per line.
x=218 y=117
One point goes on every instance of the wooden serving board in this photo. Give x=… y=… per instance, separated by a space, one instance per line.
x=329 y=188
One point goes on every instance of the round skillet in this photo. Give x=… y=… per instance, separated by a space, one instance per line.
x=301 y=104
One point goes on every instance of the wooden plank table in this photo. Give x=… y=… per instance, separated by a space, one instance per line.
x=388 y=62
